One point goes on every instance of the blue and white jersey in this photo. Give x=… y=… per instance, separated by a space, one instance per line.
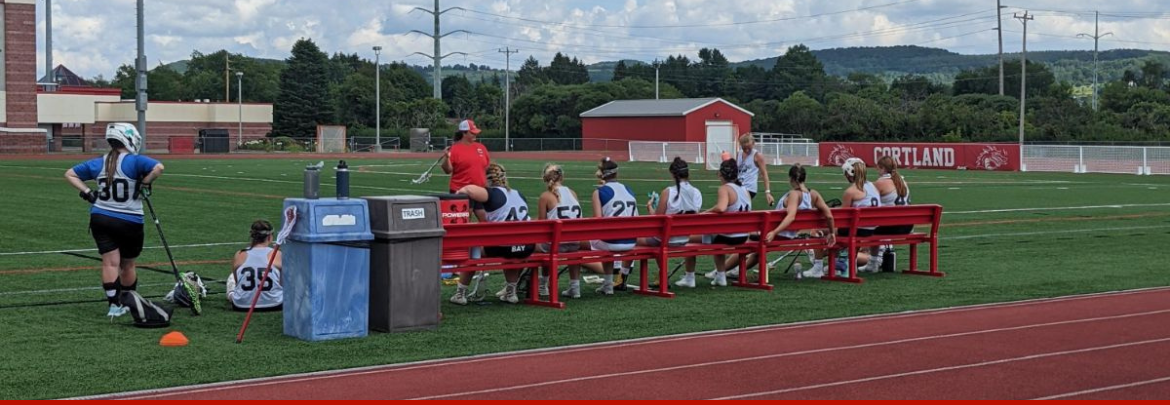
x=504 y=205
x=805 y=205
x=873 y=199
x=749 y=173
x=617 y=200
x=117 y=199
x=247 y=282
x=566 y=208
x=743 y=203
x=893 y=199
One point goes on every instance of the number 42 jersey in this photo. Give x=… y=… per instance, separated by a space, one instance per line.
x=247 y=282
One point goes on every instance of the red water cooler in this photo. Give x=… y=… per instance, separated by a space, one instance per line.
x=455 y=209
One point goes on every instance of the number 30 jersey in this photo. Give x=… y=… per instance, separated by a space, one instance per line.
x=247 y=282
x=116 y=199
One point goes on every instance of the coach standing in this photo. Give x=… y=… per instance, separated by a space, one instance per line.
x=467 y=163
x=751 y=165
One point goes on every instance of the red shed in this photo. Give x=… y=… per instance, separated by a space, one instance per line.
x=675 y=120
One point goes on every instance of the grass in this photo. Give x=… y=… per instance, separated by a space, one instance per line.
x=54 y=350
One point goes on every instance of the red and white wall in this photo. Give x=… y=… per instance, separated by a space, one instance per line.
x=967 y=156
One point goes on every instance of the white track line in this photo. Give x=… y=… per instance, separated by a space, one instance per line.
x=1104 y=389
x=951 y=368
x=1052 y=232
x=258 y=382
x=1087 y=207
x=67 y=290
x=84 y=250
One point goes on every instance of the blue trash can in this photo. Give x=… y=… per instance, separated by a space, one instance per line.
x=327 y=270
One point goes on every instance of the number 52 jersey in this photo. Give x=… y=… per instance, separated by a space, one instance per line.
x=247 y=282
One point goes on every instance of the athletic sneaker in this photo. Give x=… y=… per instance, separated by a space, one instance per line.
x=687 y=281
x=500 y=294
x=460 y=297
x=817 y=271
x=510 y=295
x=117 y=311
x=574 y=291
x=605 y=289
x=720 y=280
x=711 y=274
x=543 y=287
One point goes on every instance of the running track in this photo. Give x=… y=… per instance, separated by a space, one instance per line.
x=1110 y=346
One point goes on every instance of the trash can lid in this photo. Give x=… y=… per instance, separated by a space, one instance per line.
x=330 y=220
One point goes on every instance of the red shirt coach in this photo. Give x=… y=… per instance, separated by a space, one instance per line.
x=467 y=160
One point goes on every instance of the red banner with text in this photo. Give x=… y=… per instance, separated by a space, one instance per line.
x=955 y=156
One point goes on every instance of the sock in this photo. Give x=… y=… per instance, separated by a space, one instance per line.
x=626 y=270
x=575 y=284
x=111 y=292
x=131 y=287
x=819 y=263
x=543 y=280
x=461 y=288
x=689 y=276
x=608 y=278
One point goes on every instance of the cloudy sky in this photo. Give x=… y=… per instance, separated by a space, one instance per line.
x=93 y=37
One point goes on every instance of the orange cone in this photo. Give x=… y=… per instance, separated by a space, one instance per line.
x=173 y=339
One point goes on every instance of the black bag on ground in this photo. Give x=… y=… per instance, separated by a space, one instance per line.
x=146 y=313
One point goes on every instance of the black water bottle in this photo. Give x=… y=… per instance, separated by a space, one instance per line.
x=342 y=181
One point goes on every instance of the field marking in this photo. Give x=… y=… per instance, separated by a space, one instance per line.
x=94 y=249
x=1054 y=219
x=323 y=375
x=1054 y=232
x=1086 y=207
x=816 y=351
x=1104 y=389
x=68 y=290
x=949 y=368
x=98 y=267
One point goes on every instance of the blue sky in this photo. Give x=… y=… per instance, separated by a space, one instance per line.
x=94 y=37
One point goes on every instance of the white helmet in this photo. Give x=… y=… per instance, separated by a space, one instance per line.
x=847 y=167
x=126 y=134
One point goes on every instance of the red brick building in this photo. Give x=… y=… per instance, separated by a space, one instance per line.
x=18 y=89
x=711 y=120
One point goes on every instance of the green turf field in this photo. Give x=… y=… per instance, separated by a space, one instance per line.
x=1006 y=236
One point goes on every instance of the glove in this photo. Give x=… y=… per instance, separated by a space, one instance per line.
x=142 y=189
x=90 y=197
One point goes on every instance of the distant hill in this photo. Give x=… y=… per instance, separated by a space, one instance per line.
x=181 y=66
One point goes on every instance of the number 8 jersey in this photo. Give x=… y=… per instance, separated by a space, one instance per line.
x=247 y=282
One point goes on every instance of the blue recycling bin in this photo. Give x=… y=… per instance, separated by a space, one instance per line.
x=327 y=270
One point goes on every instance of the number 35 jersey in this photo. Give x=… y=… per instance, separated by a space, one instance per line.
x=247 y=282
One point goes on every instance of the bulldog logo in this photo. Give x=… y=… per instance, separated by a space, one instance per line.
x=992 y=158
x=840 y=154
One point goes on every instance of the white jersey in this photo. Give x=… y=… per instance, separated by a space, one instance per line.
x=118 y=197
x=872 y=199
x=688 y=201
x=743 y=203
x=617 y=201
x=567 y=208
x=805 y=205
x=749 y=173
x=893 y=199
x=506 y=205
x=247 y=280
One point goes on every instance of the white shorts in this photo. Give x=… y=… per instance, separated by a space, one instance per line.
x=674 y=242
x=611 y=247
x=565 y=247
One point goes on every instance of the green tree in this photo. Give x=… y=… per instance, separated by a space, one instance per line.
x=1041 y=81
x=800 y=114
x=619 y=71
x=798 y=70
x=304 y=101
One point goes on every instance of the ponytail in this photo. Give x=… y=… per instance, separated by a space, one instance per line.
x=797 y=174
x=261 y=231
x=497 y=176
x=112 y=160
x=681 y=171
x=859 y=178
x=890 y=166
x=607 y=170
x=553 y=177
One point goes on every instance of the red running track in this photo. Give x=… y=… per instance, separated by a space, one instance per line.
x=1111 y=346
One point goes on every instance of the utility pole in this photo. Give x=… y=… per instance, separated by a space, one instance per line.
x=140 y=84
x=1024 y=73
x=227 y=78
x=240 y=101
x=999 y=13
x=378 y=98
x=1097 y=35
x=657 y=65
x=508 y=96
x=49 y=46
x=437 y=56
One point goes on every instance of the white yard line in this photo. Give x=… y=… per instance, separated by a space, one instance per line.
x=1105 y=389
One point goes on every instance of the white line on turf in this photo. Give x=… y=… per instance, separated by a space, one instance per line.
x=951 y=368
x=83 y=250
x=615 y=344
x=1052 y=232
x=1104 y=389
x=67 y=290
x=1087 y=207
x=795 y=354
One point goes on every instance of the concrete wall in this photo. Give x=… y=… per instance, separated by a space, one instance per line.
x=162 y=112
x=63 y=108
x=20 y=58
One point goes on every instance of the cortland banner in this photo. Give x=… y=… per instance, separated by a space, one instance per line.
x=964 y=156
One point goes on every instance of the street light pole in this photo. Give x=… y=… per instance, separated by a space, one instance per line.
x=378 y=98
x=1097 y=35
x=240 y=101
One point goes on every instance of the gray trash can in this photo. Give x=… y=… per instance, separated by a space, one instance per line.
x=404 y=263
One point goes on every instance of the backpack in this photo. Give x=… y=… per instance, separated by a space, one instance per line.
x=146 y=313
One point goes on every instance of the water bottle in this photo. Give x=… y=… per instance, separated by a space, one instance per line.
x=312 y=182
x=654 y=199
x=889 y=260
x=342 y=181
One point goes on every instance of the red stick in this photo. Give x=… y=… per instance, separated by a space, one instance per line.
x=255 y=298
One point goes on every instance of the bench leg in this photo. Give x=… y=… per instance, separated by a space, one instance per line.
x=644 y=283
x=933 y=262
x=831 y=272
x=743 y=275
x=553 y=294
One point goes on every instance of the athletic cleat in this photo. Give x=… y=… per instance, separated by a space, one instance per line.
x=688 y=282
x=817 y=271
x=460 y=297
x=117 y=311
x=605 y=289
x=720 y=280
x=543 y=291
x=711 y=274
x=500 y=294
x=572 y=292
x=621 y=284
x=510 y=295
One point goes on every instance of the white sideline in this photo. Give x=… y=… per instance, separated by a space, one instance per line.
x=1087 y=207
x=1104 y=389
x=83 y=250
x=950 y=368
x=606 y=345
x=1052 y=233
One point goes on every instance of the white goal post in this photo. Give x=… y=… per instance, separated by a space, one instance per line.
x=331 y=138
x=710 y=155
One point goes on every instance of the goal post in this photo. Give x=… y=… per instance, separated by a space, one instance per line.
x=665 y=152
x=331 y=139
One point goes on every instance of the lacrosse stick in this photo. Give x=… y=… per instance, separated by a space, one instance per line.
x=180 y=285
x=290 y=218
x=426 y=176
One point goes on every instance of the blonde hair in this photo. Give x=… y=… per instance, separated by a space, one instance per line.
x=497 y=176
x=891 y=166
x=111 y=162
x=859 y=178
x=746 y=139
x=607 y=170
x=553 y=176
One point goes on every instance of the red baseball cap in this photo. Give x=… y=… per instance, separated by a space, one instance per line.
x=469 y=126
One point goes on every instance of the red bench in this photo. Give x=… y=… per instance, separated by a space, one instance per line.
x=461 y=237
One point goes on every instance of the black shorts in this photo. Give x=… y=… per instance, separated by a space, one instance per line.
x=115 y=234
x=509 y=252
x=752 y=194
x=894 y=230
x=725 y=240
x=861 y=233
